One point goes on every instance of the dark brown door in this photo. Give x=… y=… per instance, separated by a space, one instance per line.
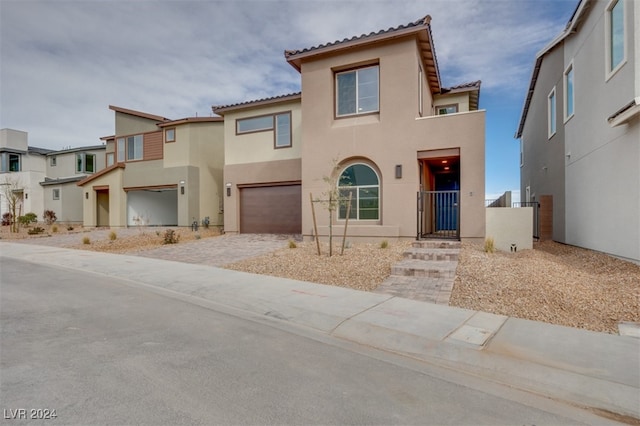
x=102 y=198
x=271 y=210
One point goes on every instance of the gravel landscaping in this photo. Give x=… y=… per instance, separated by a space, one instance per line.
x=553 y=283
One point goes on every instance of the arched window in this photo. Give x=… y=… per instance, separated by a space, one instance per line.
x=362 y=182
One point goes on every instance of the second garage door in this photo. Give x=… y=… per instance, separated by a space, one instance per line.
x=271 y=210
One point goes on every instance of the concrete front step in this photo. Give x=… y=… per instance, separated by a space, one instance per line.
x=449 y=254
x=437 y=244
x=424 y=268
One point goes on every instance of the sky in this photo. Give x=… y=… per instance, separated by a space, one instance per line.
x=62 y=63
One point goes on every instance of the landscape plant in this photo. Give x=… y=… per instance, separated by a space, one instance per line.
x=113 y=235
x=170 y=237
x=12 y=192
x=7 y=218
x=49 y=217
x=86 y=240
x=27 y=219
x=489 y=246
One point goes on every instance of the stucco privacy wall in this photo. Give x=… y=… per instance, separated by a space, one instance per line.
x=200 y=145
x=510 y=227
x=392 y=137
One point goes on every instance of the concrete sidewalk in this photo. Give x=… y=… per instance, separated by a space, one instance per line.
x=589 y=369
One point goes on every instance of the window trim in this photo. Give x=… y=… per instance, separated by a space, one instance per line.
x=53 y=162
x=552 y=112
x=565 y=100
x=273 y=128
x=166 y=133
x=608 y=27
x=456 y=105
x=55 y=193
x=83 y=156
x=355 y=69
x=5 y=162
x=125 y=151
x=357 y=187
x=113 y=158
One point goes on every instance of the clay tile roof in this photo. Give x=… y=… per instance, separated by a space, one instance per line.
x=221 y=109
x=420 y=28
x=464 y=87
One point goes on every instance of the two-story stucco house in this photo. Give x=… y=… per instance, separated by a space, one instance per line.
x=159 y=172
x=64 y=169
x=373 y=117
x=579 y=131
x=25 y=166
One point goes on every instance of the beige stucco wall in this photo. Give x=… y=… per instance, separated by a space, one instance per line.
x=66 y=163
x=68 y=208
x=117 y=199
x=258 y=147
x=509 y=227
x=127 y=124
x=392 y=137
x=461 y=99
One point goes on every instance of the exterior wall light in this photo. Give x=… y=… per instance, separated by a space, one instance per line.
x=228 y=185
x=182 y=187
x=398 y=171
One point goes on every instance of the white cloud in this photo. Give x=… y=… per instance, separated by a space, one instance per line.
x=63 y=62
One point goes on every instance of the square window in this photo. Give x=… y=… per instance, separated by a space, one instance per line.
x=85 y=163
x=357 y=91
x=56 y=194
x=170 y=135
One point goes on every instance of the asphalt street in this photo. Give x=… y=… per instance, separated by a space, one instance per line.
x=102 y=350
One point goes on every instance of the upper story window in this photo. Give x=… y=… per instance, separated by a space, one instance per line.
x=170 y=135
x=420 y=93
x=85 y=163
x=131 y=147
x=110 y=158
x=362 y=182
x=10 y=162
x=279 y=123
x=551 y=113
x=446 y=109
x=521 y=152
x=357 y=91
x=53 y=161
x=615 y=45
x=568 y=93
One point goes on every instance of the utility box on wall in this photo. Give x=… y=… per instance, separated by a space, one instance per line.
x=510 y=228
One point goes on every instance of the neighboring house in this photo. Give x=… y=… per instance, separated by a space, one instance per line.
x=159 y=172
x=64 y=169
x=373 y=116
x=580 y=131
x=25 y=166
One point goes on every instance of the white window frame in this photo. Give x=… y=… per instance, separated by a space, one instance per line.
x=55 y=193
x=357 y=72
x=569 y=96
x=552 y=113
x=83 y=162
x=357 y=189
x=170 y=135
x=53 y=161
x=609 y=70
x=123 y=148
x=110 y=158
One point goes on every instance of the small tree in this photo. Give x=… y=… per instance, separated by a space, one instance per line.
x=12 y=190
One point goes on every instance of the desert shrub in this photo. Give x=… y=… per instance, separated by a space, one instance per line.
x=7 y=218
x=197 y=236
x=49 y=216
x=54 y=228
x=69 y=228
x=170 y=237
x=36 y=230
x=489 y=245
x=384 y=244
x=86 y=240
x=292 y=244
x=113 y=235
x=28 y=219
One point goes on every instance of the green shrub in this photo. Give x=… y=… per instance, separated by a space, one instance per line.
x=170 y=237
x=113 y=235
x=36 y=230
x=292 y=244
x=489 y=245
x=28 y=219
x=384 y=244
x=86 y=240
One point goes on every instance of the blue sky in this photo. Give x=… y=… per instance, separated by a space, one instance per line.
x=63 y=62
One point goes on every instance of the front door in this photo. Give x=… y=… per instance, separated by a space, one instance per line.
x=102 y=207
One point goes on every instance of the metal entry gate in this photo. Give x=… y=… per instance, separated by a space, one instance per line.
x=438 y=214
x=536 y=216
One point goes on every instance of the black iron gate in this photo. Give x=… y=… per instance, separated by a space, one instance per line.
x=438 y=214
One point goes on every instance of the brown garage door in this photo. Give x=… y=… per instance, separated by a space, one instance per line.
x=271 y=210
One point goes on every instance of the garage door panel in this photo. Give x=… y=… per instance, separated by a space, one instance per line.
x=271 y=210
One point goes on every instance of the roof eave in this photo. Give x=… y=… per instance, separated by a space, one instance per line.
x=222 y=110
